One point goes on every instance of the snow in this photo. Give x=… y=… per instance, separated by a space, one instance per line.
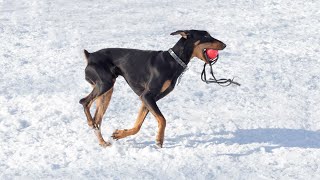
x=268 y=128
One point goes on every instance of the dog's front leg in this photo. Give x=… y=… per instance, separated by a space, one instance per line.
x=118 y=134
x=149 y=100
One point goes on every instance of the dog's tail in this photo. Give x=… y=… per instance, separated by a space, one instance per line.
x=87 y=54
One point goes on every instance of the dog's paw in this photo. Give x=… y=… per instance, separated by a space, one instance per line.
x=159 y=143
x=105 y=144
x=118 y=134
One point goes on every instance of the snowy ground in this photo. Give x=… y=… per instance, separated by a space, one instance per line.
x=269 y=128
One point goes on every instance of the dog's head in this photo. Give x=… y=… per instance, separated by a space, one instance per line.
x=201 y=41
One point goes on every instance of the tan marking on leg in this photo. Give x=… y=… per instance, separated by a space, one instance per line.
x=102 y=142
x=165 y=85
x=88 y=114
x=118 y=134
x=161 y=128
x=102 y=103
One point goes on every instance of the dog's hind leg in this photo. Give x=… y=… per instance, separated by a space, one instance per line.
x=102 y=103
x=102 y=81
x=86 y=103
x=118 y=134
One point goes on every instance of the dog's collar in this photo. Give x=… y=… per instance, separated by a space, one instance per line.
x=177 y=58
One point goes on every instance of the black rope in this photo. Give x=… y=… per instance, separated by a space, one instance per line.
x=221 y=82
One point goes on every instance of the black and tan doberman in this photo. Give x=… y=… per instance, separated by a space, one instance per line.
x=150 y=74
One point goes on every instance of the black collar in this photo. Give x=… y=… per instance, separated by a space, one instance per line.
x=174 y=56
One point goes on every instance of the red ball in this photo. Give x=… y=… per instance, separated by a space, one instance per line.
x=212 y=53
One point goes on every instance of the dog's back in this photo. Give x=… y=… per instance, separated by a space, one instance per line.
x=136 y=66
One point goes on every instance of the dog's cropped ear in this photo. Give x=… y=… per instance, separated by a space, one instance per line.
x=184 y=34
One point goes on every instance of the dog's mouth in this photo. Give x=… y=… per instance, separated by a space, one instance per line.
x=211 y=55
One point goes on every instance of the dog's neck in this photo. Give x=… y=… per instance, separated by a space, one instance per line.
x=184 y=49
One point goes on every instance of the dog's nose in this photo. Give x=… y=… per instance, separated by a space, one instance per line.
x=224 y=45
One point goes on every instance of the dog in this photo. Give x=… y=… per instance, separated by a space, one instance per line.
x=150 y=74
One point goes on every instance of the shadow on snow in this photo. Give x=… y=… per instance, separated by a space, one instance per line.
x=269 y=139
x=281 y=137
x=273 y=137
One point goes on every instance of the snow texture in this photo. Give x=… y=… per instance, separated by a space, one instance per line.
x=268 y=128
